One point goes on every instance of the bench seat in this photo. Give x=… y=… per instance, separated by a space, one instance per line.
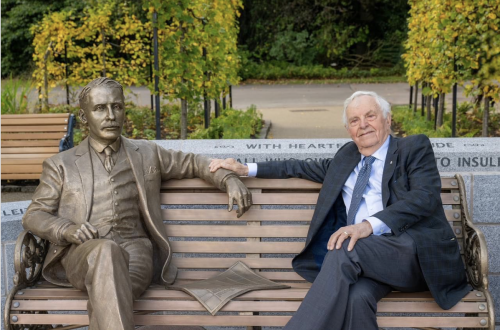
x=206 y=239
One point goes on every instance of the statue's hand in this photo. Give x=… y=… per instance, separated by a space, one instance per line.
x=239 y=192
x=78 y=234
x=229 y=164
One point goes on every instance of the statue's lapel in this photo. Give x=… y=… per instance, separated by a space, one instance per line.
x=83 y=163
x=135 y=158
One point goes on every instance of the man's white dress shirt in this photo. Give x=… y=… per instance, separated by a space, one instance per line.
x=372 y=196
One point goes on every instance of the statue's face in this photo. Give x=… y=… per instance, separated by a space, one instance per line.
x=104 y=113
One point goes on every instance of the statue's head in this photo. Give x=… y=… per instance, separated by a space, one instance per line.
x=102 y=107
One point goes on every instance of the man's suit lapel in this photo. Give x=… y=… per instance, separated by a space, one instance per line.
x=390 y=165
x=84 y=165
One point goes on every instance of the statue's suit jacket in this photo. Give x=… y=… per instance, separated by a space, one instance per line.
x=411 y=188
x=65 y=193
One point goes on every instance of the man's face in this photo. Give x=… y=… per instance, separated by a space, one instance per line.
x=104 y=112
x=366 y=124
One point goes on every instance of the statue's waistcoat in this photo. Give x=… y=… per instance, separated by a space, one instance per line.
x=115 y=207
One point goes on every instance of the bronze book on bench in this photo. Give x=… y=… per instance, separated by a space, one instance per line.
x=215 y=292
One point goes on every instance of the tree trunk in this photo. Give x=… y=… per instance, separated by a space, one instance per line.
x=46 y=78
x=184 y=112
x=440 y=113
x=103 y=53
x=429 y=102
x=486 y=114
x=416 y=98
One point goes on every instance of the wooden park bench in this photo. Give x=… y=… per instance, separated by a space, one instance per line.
x=27 y=140
x=206 y=241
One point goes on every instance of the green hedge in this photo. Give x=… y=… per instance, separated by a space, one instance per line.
x=283 y=70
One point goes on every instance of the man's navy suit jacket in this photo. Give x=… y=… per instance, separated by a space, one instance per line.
x=411 y=196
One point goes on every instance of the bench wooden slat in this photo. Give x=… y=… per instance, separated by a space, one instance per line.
x=22 y=168
x=230 y=320
x=248 y=231
x=250 y=215
x=224 y=263
x=47 y=128
x=239 y=306
x=237 y=247
x=434 y=322
x=36 y=115
x=290 y=184
x=22 y=161
x=35 y=121
x=21 y=176
x=236 y=231
x=257 y=215
x=31 y=150
x=262 y=199
x=254 y=183
x=266 y=295
x=30 y=143
x=449 y=183
x=221 y=198
x=25 y=156
x=33 y=136
x=453 y=215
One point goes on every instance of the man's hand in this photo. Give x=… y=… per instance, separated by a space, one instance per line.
x=229 y=164
x=239 y=192
x=79 y=234
x=355 y=232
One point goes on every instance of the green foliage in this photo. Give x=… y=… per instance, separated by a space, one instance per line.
x=283 y=70
x=15 y=96
x=324 y=31
x=294 y=47
x=231 y=124
x=186 y=28
x=469 y=124
x=17 y=18
x=444 y=33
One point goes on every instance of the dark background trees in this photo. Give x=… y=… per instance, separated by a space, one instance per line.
x=340 y=33
x=348 y=33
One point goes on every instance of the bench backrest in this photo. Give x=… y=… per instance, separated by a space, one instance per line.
x=206 y=238
x=27 y=140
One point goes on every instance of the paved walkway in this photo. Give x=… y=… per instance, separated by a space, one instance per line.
x=313 y=111
x=296 y=111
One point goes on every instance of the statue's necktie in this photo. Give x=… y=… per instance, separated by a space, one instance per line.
x=108 y=162
x=359 y=188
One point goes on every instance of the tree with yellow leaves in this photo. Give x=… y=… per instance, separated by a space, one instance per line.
x=455 y=41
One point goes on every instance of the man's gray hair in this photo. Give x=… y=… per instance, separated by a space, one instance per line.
x=381 y=102
x=102 y=81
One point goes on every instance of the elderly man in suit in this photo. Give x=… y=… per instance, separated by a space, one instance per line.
x=378 y=226
x=99 y=206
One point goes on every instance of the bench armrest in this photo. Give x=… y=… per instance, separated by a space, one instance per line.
x=67 y=142
x=475 y=251
x=29 y=256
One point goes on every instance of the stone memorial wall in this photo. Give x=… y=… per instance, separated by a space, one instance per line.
x=477 y=159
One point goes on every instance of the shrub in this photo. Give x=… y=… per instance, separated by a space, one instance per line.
x=231 y=124
x=469 y=124
x=15 y=96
